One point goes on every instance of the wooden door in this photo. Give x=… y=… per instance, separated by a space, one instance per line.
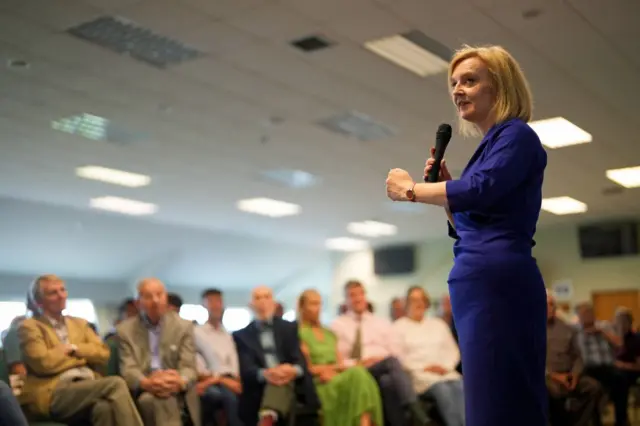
x=605 y=303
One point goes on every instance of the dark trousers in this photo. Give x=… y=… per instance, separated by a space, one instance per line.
x=395 y=388
x=577 y=407
x=220 y=397
x=616 y=385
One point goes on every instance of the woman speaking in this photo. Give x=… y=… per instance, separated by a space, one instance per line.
x=497 y=292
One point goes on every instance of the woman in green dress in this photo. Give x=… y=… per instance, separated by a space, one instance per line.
x=349 y=396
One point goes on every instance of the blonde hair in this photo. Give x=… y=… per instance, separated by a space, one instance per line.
x=513 y=95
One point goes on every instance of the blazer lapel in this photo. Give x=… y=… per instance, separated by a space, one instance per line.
x=278 y=339
x=254 y=342
x=167 y=344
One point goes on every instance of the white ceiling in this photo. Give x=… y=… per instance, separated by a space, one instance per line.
x=206 y=118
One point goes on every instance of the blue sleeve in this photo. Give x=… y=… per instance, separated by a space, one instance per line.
x=515 y=150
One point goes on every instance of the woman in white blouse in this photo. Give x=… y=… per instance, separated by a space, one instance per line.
x=430 y=354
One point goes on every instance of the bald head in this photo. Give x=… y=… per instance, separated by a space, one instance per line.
x=262 y=302
x=152 y=296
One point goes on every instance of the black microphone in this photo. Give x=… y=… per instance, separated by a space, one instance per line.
x=443 y=136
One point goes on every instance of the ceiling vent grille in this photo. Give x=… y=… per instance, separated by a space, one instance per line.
x=125 y=37
x=359 y=126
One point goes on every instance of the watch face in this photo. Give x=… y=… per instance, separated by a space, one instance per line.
x=410 y=194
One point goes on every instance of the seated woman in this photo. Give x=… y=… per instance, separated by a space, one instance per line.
x=430 y=353
x=349 y=396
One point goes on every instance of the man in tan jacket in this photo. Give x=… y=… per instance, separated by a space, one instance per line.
x=158 y=359
x=61 y=354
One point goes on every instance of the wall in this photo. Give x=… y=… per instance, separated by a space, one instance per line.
x=556 y=251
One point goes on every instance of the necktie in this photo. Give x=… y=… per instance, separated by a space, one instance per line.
x=356 y=350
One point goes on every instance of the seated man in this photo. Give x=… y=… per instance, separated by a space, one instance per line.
x=597 y=345
x=272 y=368
x=217 y=361
x=157 y=359
x=61 y=353
x=568 y=387
x=370 y=341
x=11 y=346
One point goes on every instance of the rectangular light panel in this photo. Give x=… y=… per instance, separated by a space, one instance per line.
x=629 y=177
x=558 y=132
x=123 y=206
x=268 y=207
x=563 y=206
x=406 y=51
x=372 y=229
x=346 y=244
x=113 y=176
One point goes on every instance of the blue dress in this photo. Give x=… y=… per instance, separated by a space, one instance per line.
x=497 y=292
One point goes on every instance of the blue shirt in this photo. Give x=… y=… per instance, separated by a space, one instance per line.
x=496 y=202
x=154 y=342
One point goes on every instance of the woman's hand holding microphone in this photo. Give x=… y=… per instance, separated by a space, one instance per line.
x=400 y=184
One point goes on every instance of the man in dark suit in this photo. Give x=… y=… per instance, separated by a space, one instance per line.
x=272 y=368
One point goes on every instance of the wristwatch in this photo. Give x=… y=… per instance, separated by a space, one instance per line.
x=411 y=194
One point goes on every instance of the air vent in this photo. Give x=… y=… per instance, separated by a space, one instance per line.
x=359 y=126
x=125 y=37
x=614 y=190
x=311 y=44
x=96 y=128
x=291 y=178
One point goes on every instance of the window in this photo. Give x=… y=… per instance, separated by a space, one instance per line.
x=236 y=318
x=10 y=310
x=81 y=308
x=194 y=313
x=290 y=315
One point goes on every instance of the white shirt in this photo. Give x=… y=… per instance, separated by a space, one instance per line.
x=216 y=351
x=378 y=338
x=425 y=343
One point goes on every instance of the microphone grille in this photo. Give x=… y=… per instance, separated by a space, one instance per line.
x=445 y=128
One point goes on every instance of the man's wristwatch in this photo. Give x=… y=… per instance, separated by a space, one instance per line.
x=411 y=194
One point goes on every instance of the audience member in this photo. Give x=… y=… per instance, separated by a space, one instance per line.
x=396 y=308
x=597 y=345
x=349 y=394
x=279 y=313
x=126 y=309
x=429 y=352
x=59 y=352
x=368 y=340
x=10 y=412
x=217 y=362
x=174 y=302
x=573 y=397
x=272 y=368
x=446 y=313
x=157 y=359
x=628 y=354
x=11 y=348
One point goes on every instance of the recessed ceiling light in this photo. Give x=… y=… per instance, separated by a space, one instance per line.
x=563 y=205
x=373 y=229
x=96 y=128
x=116 y=177
x=268 y=207
x=629 y=177
x=414 y=51
x=124 y=206
x=558 y=132
x=346 y=244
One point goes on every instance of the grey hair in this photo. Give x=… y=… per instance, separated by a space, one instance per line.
x=34 y=296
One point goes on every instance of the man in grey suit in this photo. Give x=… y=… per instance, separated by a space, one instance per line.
x=157 y=359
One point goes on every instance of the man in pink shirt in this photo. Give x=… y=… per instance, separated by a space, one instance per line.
x=364 y=339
